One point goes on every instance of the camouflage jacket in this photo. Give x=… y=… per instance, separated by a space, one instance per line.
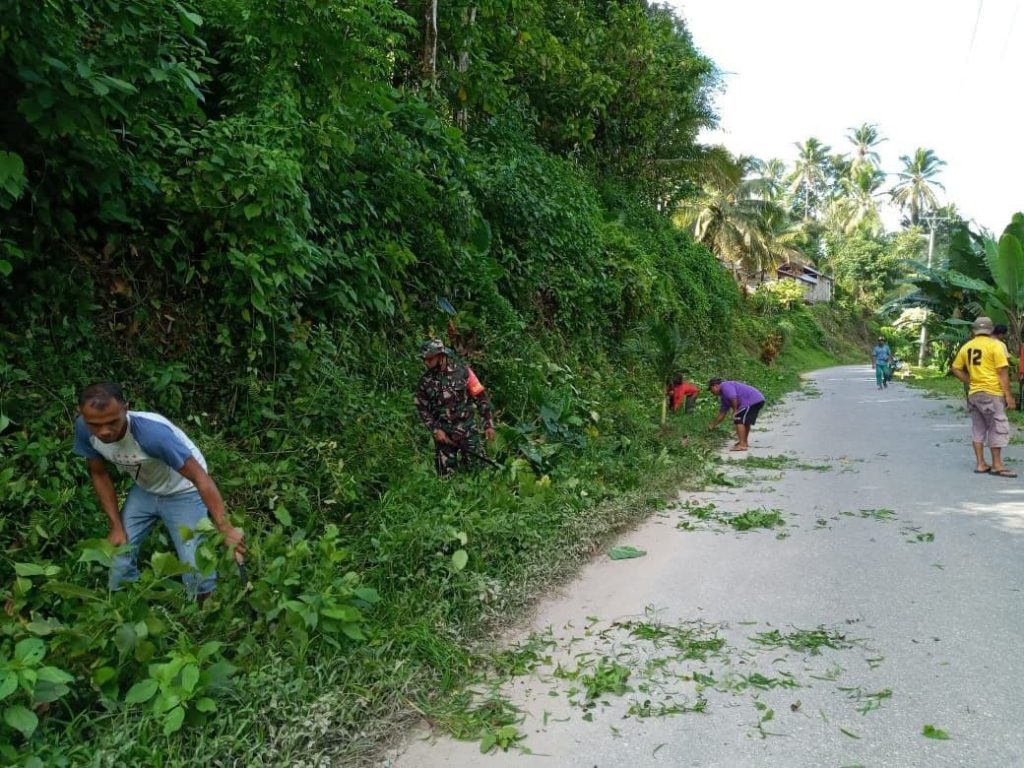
x=445 y=395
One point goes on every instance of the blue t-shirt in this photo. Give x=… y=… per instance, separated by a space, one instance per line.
x=881 y=353
x=152 y=451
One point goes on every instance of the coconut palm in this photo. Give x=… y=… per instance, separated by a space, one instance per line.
x=865 y=139
x=735 y=221
x=771 y=178
x=856 y=205
x=809 y=180
x=914 y=193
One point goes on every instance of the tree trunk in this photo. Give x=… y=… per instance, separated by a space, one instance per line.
x=430 y=39
x=462 y=116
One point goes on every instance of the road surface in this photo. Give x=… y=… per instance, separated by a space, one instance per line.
x=888 y=603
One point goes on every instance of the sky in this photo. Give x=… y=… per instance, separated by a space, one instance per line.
x=947 y=75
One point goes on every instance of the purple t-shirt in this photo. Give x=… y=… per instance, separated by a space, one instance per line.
x=737 y=390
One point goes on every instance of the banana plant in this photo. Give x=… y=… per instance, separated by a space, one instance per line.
x=1001 y=296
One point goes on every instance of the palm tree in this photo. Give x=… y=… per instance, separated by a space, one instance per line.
x=772 y=178
x=736 y=221
x=915 y=190
x=865 y=139
x=809 y=179
x=856 y=207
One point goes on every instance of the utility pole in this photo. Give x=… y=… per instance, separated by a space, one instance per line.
x=932 y=219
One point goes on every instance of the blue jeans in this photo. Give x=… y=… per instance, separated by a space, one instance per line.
x=140 y=513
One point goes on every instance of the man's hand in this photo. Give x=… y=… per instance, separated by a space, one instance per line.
x=489 y=434
x=234 y=540
x=117 y=537
x=1011 y=403
x=442 y=437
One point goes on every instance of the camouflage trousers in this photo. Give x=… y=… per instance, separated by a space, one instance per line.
x=449 y=458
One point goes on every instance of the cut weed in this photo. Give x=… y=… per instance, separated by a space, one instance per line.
x=804 y=640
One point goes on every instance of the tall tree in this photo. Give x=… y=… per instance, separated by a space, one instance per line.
x=914 y=192
x=735 y=220
x=809 y=180
x=855 y=207
x=865 y=139
x=772 y=174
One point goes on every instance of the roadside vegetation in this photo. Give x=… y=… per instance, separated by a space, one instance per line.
x=248 y=217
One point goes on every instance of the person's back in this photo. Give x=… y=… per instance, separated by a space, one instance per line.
x=981 y=358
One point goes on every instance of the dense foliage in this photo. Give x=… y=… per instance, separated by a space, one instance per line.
x=246 y=211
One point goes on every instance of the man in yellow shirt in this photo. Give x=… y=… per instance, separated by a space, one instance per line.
x=982 y=365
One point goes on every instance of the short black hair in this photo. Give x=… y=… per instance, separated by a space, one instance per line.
x=1000 y=330
x=99 y=394
x=714 y=382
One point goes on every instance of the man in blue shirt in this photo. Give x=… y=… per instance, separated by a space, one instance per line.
x=171 y=483
x=881 y=357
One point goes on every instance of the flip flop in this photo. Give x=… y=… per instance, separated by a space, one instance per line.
x=983 y=471
x=1003 y=473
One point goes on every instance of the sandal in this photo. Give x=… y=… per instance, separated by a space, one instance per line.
x=984 y=471
x=1004 y=472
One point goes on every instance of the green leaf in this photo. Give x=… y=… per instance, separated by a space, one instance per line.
x=487 y=743
x=33 y=568
x=141 y=692
x=5 y=270
x=173 y=720
x=931 y=732
x=459 y=559
x=625 y=552
x=8 y=684
x=53 y=675
x=30 y=651
x=189 y=677
x=43 y=627
x=21 y=719
x=124 y=638
x=367 y=594
x=70 y=590
x=283 y=515
x=252 y=210
x=208 y=649
x=118 y=84
x=12 y=174
x=353 y=631
x=206 y=704
x=345 y=613
x=97 y=551
x=167 y=564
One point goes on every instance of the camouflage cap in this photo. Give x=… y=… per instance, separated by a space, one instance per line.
x=432 y=347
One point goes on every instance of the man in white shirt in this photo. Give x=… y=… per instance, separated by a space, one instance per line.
x=171 y=482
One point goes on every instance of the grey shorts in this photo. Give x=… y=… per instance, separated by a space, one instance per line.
x=989 y=424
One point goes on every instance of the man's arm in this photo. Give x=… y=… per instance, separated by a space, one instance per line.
x=104 y=486
x=961 y=374
x=483 y=403
x=427 y=417
x=1004 y=382
x=210 y=494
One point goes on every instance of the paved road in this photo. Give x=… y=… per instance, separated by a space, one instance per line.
x=897 y=554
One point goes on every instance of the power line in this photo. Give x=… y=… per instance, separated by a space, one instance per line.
x=1009 y=33
x=974 y=32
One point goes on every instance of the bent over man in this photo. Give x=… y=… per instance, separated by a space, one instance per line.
x=745 y=402
x=982 y=365
x=171 y=483
x=445 y=398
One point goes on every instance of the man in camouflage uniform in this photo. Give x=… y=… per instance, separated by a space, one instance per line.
x=444 y=399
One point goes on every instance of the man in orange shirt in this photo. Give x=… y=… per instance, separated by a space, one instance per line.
x=680 y=391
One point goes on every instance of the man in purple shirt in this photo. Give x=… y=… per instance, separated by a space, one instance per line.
x=745 y=402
